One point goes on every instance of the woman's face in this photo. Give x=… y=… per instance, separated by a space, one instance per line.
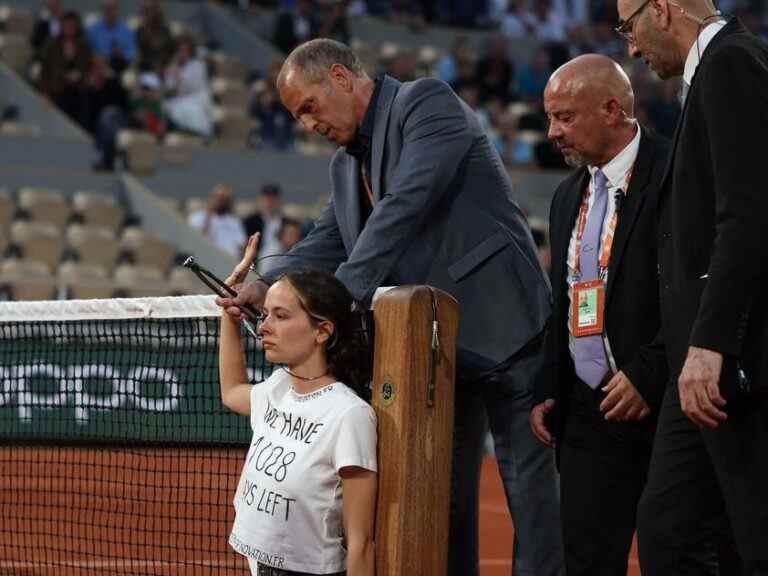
x=288 y=334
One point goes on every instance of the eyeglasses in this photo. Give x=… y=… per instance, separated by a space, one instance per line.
x=624 y=29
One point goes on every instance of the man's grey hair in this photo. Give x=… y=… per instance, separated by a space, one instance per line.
x=313 y=59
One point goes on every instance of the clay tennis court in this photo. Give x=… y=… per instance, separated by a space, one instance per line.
x=166 y=511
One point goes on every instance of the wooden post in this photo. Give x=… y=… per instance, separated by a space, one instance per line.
x=413 y=390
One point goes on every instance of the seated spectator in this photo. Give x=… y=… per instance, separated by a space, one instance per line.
x=448 y=67
x=65 y=65
x=191 y=107
x=218 y=223
x=295 y=26
x=513 y=150
x=334 y=23
x=513 y=22
x=105 y=90
x=156 y=45
x=533 y=77
x=276 y=125
x=545 y=22
x=267 y=221
x=145 y=113
x=496 y=72
x=47 y=26
x=403 y=66
x=111 y=38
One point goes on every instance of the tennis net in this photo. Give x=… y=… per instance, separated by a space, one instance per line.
x=116 y=454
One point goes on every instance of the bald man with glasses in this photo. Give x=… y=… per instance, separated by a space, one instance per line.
x=709 y=470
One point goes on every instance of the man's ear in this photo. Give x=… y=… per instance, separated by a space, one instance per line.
x=660 y=12
x=340 y=77
x=613 y=111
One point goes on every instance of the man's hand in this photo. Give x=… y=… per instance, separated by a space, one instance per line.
x=699 y=386
x=538 y=424
x=622 y=401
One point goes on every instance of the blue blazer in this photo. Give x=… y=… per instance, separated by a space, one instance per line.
x=442 y=216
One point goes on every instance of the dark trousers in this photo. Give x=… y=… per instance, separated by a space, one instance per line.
x=502 y=402
x=702 y=485
x=603 y=468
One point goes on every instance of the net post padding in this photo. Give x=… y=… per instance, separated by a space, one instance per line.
x=415 y=435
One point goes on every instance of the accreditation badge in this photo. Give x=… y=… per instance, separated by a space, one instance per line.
x=588 y=306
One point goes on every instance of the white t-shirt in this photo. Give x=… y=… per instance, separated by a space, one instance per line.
x=288 y=505
x=226 y=231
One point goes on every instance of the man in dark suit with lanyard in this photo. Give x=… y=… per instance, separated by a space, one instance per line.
x=709 y=462
x=605 y=375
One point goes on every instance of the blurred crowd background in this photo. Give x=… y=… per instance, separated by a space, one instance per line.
x=182 y=96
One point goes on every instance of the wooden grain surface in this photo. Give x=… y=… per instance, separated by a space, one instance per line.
x=415 y=438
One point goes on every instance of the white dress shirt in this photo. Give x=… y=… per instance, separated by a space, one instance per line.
x=617 y=171
x=698 y=48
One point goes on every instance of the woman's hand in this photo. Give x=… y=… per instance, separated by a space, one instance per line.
x=241 y=270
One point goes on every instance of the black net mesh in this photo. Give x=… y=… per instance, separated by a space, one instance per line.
x=117 y=456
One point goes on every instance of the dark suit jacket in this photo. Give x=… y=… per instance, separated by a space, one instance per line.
x=632 y=296
x=442 y=216
x=714 y=236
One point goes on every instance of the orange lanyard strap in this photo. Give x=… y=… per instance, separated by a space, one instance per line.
x=605 y=253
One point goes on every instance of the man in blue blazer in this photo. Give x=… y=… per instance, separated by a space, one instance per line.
x=420 y=196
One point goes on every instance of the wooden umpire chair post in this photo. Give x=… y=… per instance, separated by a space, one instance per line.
x=413 y=390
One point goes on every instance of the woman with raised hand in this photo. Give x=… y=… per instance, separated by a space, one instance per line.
x=306 y=499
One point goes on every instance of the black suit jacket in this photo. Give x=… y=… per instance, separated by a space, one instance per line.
x=632 y=300
x=713 y=249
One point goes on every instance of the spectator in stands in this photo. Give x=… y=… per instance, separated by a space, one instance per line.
x=191 y=107
x=513 y=23
x=143 y=113
x=218 y=223
x=448 y=66
x=156 y=45
x=512 y=149
x=545 y=22
x=108 y=102
x=111 y=38
x=66 y=61
x=267 y=220
x=403 y=66
x=292 y=27
x=276 y=125
x=495 y=71
x=534 y=76
x=47 y=26
x=334 y=23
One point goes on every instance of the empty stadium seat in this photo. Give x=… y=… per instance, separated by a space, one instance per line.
x=17 y=20
x=227 y=67
x=231 y=94
x=232 y=125
x=177 y=147
x=183 y=281
x=85 y=281
x=147 y=249
x=98 y=209
x=7 y=209
x=38 y=241
x=139 y=149
x=140 y=281
x=27 y=280
x=94 y=245
x=45 y=205
x=16 y=52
